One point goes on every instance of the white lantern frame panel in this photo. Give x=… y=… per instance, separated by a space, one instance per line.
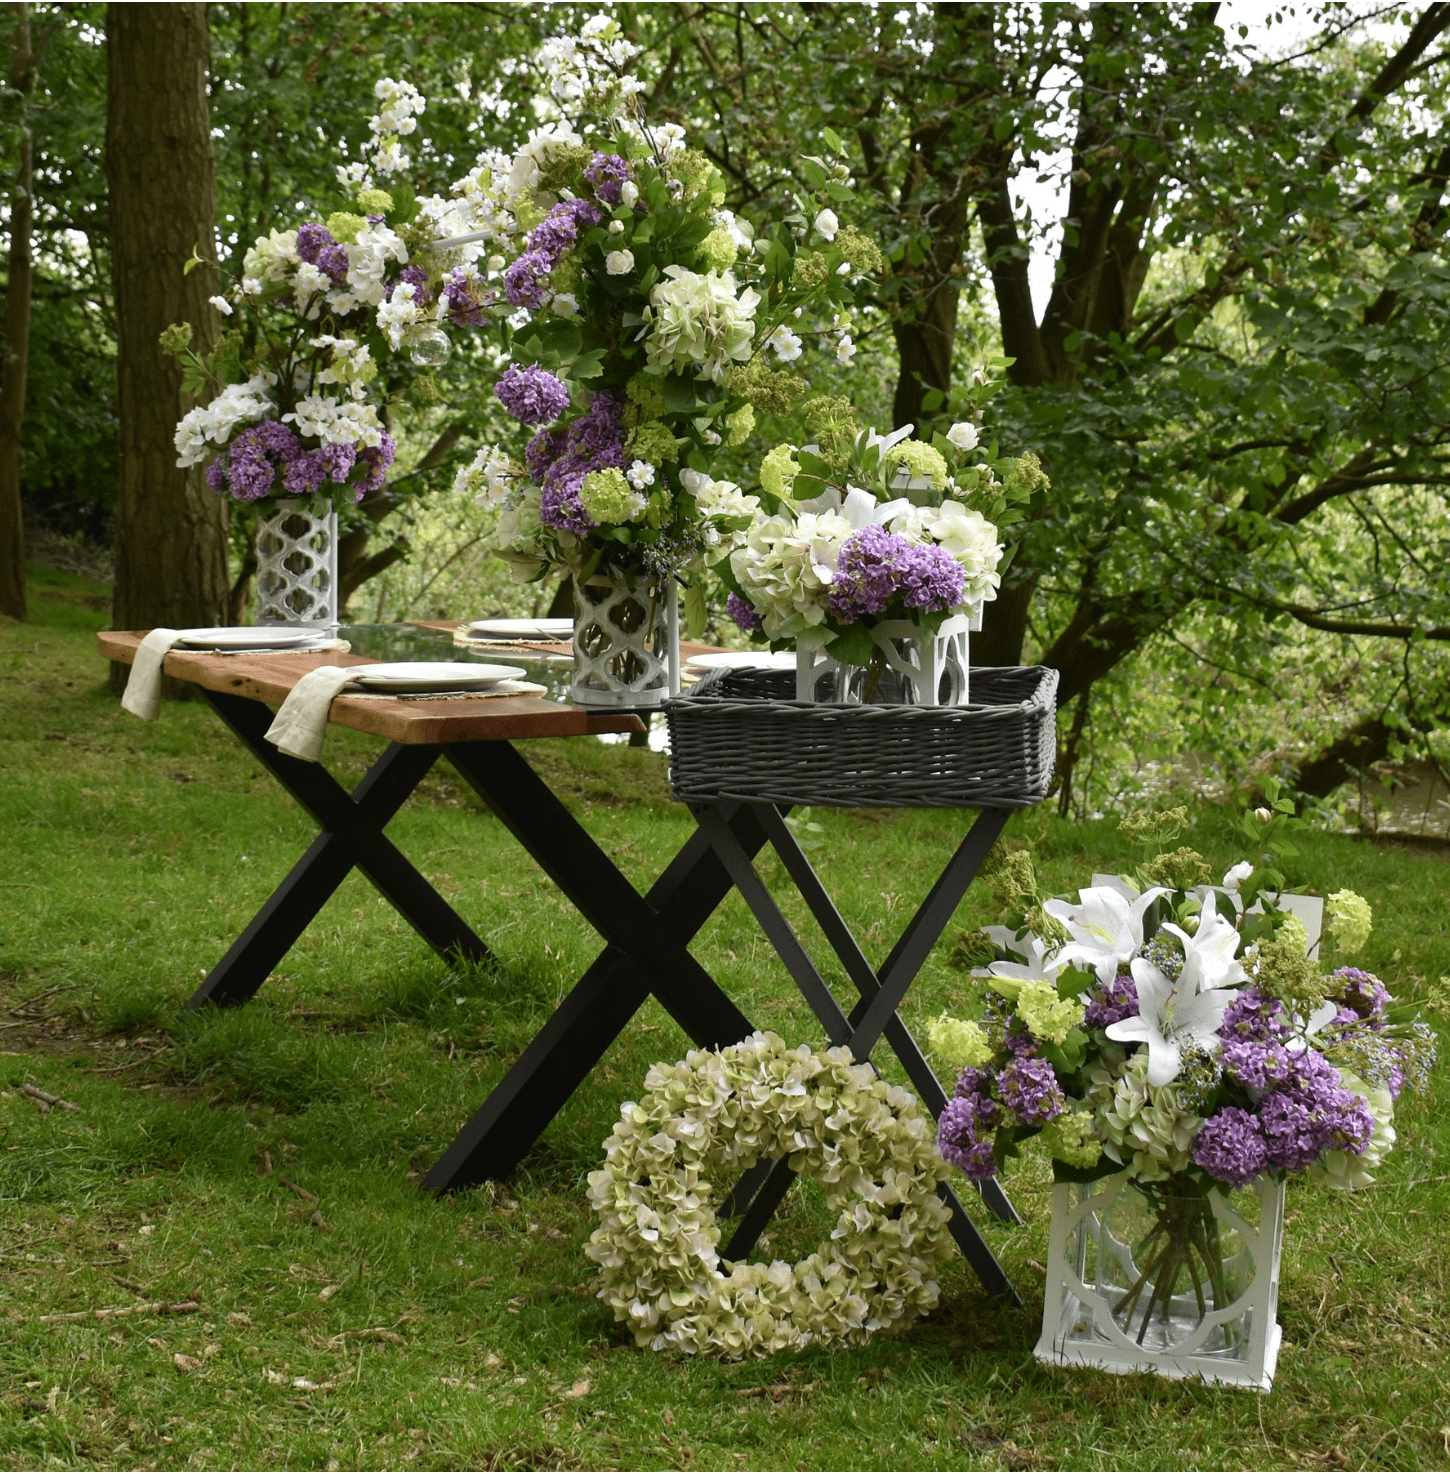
x=297 y=568
x=930 y=670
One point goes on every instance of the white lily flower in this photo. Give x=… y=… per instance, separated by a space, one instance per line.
x=1169 y=1016
x=1040 y=967
x=1106 y=927
x=858 y=507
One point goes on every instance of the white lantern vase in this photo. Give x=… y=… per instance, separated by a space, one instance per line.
x=1165 y=1277
x=910 y=666
x=626 y=643
x=297 y=567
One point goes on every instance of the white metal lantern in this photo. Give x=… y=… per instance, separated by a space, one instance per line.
x=911 y=667
x=1167 y=1278
x=626 y=643
x=297 y=567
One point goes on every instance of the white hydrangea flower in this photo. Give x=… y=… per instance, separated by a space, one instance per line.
x=212 y=424
x=351 y=422
x=787 y=344
x=786 y=568
x=367 y=261
x=963 y=435
x=698 y=321
x=272 y=258
x=619 y=263
x=523 y=174
x=963 y=533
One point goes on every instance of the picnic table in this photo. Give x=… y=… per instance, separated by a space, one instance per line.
x=646 y=937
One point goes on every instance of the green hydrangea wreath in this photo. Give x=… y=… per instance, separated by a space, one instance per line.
x=705 y=1120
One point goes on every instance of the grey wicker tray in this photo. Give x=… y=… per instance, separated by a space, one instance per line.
x=740 y=735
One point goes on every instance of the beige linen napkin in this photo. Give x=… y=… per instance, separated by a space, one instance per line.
x=142 y=697
x=301 y=720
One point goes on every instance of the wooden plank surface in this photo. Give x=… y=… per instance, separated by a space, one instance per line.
x=688 y=648
x=270 y=677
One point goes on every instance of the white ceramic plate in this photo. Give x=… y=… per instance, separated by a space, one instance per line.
x=523 y=629
x=742 y=659
x=249 y=637
x=434 y=675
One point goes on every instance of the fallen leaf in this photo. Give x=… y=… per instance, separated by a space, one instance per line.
x=669 y=1418
x=276 y=1378
x=186 y=1363
x=579 y=1389
x=328 y=1291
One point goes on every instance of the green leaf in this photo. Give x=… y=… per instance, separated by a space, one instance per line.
x=679 y=393
x=853 y=646
x=695 y=610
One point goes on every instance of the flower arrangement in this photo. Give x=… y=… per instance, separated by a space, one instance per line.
x=864 y=529
x=330 y=318
x=1176 y=1032
x=712 y=1116
x=648 y=326
x=1168 y=1026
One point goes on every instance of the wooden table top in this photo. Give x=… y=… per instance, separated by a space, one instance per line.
x=270 y=677
x=688 y=648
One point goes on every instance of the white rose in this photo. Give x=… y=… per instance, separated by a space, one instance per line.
x=1237 y=874
x=566 y=304
x=222 y=305
x=628 y=194
x=619 y=263
x=827 y=225
x=963 y=435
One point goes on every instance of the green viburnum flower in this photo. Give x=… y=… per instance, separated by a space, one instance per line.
x=343 y=226
x=1156 y=826
x=528 y=212
x=810 y=271
x=560 y=165
x=609 y=498
x=958 y=1043
x=832 y=419
x=921 y=460
x=861 y=251
x=773 y=391
x=424 y=389
x=1439 y=999
x=718 y=250
x=778 y=471
x=646 y=396
x=1025 y=476
x=652 y=442
x=1014 y=880
x=1349 y=922
x=1181 y=869
x=1068 y=1137
x=177 y=339
x=1048 y=1017
x=738 y=426
x=372 y=202
x=1285 y=971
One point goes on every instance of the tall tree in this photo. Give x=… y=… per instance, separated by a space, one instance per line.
x=171 y=566
x=17 y=329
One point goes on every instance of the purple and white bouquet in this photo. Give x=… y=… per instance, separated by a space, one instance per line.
x=864 y=529
x=338 y=313
x=1181 y=1033
x=647 y=325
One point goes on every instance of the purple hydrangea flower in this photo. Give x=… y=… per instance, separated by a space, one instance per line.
x=525 y=283
x=312 y=240
x=1029 y=1089
x=1107 y=1005
x=560 y=506
x=1255 y=1064
x=742 y=611
x=1294 y=1133
x=958 y=1142
x=333 y=260
x=1363 y=992
x=561 y=227
x=1231 y=1147
x=533 y=396
x=976 y=1086
x=607 y=172
x=876 y=566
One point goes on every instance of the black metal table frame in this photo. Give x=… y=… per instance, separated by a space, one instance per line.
x=646 y=939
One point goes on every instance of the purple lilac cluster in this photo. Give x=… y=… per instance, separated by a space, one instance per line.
x=966 y=1124
x=1107 y=1005
x=416 y=278
x=465 y=301
x=315 y=244
x=526 y=282
x=877 y=566
x=742 y=611
x=1028 y=1088
x=607 y=173
x=247 y=469
x=559 y=460
x=533 y=396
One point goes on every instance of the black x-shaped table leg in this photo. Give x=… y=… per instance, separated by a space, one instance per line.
x=646 y=951
x=760 y=1192
x=352 y=837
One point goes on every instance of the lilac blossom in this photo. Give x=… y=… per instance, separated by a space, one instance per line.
x=1106 y=1005
x=247 y=469
x=607 y=173
x=1231 y=1147
x=542 y=451
x=742 y=611
x=877 y=566
x=560 y=506
x=416 y=278
x=533 y=396
x=525 y=283
x=1029 y=1089
x=958 y=1142
x=1254 y=1015
x=312 y=240
x=1255 y=1064
x=561 y=227
x=465 y=302
x=1362 y=991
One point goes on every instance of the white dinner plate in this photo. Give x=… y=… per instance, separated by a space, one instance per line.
x=742 y=659
x=434 y=675
x=523 y=629
x=249 y=637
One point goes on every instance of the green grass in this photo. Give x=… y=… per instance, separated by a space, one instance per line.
x=379 y=1327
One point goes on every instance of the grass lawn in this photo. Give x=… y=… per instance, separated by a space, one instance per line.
x=263 y=1162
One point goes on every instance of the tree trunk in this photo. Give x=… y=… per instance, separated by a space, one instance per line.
x=17 y=333
x=171 y=545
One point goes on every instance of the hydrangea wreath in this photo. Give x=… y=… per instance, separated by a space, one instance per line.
x=715 y=1114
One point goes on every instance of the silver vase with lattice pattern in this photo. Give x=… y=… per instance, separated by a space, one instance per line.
x=626 y=643
x=297 y=567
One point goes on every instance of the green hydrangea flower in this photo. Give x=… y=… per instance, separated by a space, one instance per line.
x=772 y=391
x=1068 y=1137
x=958 y=1043
x=778 y=471
x=1349 y=922
x=371 y=202
x=1048 y=1017
x=718 y=250
x=344 y=226
x=609 y=498
x=652 y=442
x=921 y=460
x=645 y=394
